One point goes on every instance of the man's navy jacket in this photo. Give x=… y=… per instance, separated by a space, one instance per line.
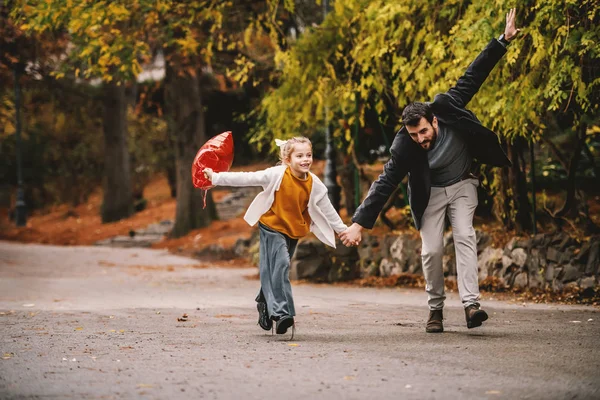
x=408 y=157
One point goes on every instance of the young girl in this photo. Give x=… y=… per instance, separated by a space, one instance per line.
x=294 y=201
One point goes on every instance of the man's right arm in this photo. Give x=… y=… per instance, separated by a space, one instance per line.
x=379 y=193
x=468 y=84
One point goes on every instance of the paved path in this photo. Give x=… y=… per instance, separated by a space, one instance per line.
x=91 y=322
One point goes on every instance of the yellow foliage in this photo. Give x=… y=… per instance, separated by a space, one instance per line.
x=110 y=36
x=390 y=53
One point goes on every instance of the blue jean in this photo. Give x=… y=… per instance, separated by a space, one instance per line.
x=276 y=251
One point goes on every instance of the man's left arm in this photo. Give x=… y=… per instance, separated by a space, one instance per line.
x=468 y=85
x=379 y=193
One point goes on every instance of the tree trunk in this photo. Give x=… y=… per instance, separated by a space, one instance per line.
x=347 y=182
x=570 y=202
x=118 y=199
x=502 y=207
x=185 y=123
x=511 y=204
x=519 y=181
x=575 y=205
x=170 y=170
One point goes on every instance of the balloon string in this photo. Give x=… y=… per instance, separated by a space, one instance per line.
x=205 y=193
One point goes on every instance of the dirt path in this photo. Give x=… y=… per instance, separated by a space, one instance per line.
x=89 y=322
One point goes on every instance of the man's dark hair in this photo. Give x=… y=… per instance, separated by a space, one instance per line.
x=413 y=113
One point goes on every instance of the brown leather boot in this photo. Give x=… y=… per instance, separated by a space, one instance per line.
x=434 y=323
x=475 y=316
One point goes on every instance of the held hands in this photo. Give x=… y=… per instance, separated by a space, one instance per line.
x=352 y=235
x=208 y=173
x=510 y=32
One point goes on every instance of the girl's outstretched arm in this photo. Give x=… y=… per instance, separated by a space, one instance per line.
x=258 y=178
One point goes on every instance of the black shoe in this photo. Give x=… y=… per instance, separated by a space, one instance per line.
x=475 y=316
x=283 y=323
x=434 y=322
x=263 y=317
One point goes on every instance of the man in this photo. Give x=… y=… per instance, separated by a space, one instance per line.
x=435 y=148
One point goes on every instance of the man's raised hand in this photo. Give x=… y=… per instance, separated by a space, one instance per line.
x=510 y=32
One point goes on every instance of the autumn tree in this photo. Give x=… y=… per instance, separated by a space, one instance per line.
x=106 y=44
x=112 y=39
x=58 y=164
x=201 y=38
x=375 y=57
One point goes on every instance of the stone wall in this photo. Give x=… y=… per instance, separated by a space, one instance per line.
x=552 y=261
x=545 y=261
x=317 y=262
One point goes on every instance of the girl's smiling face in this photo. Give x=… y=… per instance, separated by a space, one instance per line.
x=300 y=160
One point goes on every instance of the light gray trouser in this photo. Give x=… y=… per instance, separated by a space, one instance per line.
x=458 y=201
x=276 y=251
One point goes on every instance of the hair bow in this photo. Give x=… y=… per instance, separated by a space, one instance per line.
x=280 y=143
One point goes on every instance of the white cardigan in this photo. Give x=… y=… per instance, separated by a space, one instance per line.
x=324 y=219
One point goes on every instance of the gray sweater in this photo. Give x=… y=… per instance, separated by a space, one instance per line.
x=449 y=159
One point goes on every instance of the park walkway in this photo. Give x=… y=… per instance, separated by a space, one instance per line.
x=96 y=322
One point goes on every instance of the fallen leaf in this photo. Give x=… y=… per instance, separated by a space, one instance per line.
x=349 y=377
x=79 y=328
x=7 y=356
x=144 y=385
x=106 y=264
x=183 y=318
x=293 y=344
x=493 y=392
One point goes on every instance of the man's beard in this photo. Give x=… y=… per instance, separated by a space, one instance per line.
x=432 y=141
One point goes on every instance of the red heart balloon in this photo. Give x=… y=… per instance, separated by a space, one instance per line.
x=216 y=154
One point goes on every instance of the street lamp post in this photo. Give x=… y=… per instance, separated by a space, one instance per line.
x=20 y=209
x=333 y=190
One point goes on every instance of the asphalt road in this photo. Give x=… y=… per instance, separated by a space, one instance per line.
x=87 y=322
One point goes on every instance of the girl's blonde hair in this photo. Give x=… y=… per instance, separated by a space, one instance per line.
x=287 y=149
